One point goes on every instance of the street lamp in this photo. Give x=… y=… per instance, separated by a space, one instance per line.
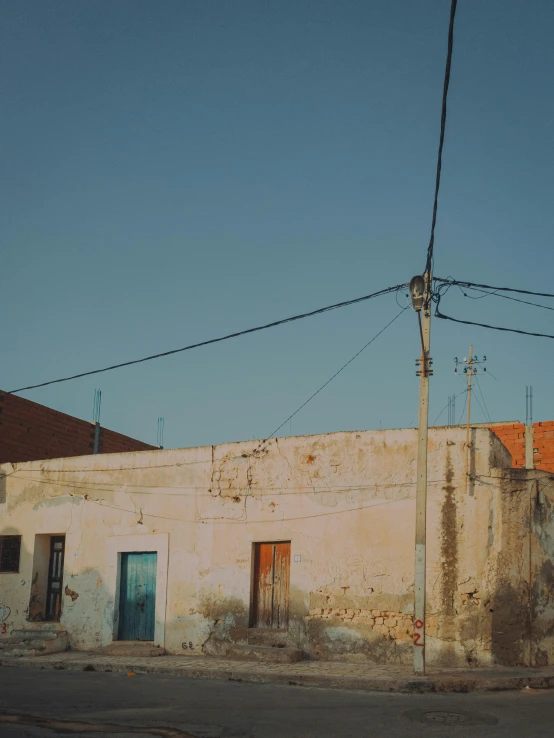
x=417 y=292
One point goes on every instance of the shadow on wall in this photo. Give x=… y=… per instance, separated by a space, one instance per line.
x=510 y=602
x=84 y=608
x=510 y=618
x=542 y=593
x=86 y=611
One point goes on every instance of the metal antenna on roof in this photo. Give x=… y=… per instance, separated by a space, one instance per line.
x=528 y=405
x=160 y=440
x=96 y=419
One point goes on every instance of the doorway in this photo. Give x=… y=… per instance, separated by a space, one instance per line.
x=55 y=578
x=270 y=590
x=137 y=596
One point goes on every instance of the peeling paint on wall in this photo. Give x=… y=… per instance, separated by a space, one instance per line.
x=345 y=501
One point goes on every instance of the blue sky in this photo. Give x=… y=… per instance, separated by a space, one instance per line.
x=174 y=171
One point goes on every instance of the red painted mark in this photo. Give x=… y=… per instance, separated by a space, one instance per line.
x=4 y=628
x=417 y=636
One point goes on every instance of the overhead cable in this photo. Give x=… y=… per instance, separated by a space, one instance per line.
x=486 y=293
x=438 y=314
x=487 y=414
x=464 y=407
x=463 y=392
x=429 y=263
x=334 y=375
x=213 y=340
x=481 y=407
x=451 y=281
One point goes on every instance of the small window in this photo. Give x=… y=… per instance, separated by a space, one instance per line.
x=10 y=546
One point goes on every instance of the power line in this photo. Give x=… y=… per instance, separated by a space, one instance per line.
x=438 y=314
x=463 y=392
x=482 y=409
x=505 y=297
x=483 y=397
x=431 y=246
x=334 y=375
x=214 y=340
x=464 y=408
x=184 y=491
x=224 y=520
x=243 y=521
x=450 y=281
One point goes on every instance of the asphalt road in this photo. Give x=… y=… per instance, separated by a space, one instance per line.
x=43 y=703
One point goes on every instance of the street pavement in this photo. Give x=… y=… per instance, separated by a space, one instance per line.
x=38 y=703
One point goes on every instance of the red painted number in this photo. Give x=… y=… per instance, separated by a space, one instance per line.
x=4 y=628
x=417 y=636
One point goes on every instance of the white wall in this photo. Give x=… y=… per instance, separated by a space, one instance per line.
x=344 y=500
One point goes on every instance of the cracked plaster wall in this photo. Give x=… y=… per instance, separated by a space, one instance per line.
x=346 y=503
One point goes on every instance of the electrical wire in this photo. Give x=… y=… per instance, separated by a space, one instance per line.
x=483 y=397
x=464 y=408
x=430 y=249
x=196 y=491
x=335 y=375
x=481 y=407
x=444 y=408
x=438 y=314
x=505 y=297
x=487 y=294
x=227 y=337
x=244 y=521
x=406 y=295
x=449 y=281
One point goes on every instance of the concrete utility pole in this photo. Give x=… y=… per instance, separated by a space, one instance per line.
x=470 y=370
x=420 y=291
x=529 y=430
x=469 y=378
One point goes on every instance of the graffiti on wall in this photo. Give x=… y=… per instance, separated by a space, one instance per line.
x=4 y=615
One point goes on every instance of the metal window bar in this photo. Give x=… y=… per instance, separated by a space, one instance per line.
x=10 y=548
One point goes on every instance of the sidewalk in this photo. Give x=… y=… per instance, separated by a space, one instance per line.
x=372 y=677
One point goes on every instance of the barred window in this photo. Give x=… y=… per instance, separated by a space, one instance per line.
x=10 y=547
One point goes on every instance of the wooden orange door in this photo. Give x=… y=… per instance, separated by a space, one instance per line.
x=270 y=601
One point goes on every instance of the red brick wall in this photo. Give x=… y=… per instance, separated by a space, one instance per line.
x=29 y=431
x=513 y=437
x=544 y=443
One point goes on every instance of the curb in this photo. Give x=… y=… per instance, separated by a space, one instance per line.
x=407 y=685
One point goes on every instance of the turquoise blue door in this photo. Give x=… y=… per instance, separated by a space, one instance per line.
x=137 y=597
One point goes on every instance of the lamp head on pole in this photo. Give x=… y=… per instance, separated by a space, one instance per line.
x=417 y=292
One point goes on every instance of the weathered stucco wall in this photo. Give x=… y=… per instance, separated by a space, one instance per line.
x=345 y=501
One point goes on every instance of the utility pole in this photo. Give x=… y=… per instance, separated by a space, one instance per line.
x=470 y=370
x=469 y=378
x=420 y=291
x=529 y=430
